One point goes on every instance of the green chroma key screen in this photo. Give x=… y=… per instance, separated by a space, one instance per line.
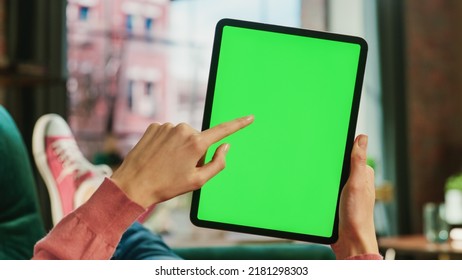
x=284 y=172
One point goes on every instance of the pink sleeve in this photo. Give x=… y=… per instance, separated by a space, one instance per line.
x=93 y=230
x=366 y=257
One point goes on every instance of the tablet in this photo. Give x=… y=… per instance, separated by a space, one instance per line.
x=284 y=173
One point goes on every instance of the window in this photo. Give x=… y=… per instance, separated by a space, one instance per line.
x=129 y=24
x=84 y=13
x=357 y=17
x=130 y=94
x=148 y=25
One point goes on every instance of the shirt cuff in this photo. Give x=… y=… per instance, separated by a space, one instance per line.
x=109 y=211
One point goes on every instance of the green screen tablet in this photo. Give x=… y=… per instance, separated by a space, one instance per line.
x=284 y=173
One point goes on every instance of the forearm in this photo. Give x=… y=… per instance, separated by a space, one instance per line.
x=94 y=229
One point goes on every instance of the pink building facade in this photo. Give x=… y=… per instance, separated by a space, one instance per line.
x=118 y=70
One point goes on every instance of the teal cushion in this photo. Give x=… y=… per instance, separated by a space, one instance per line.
x=283 y=251
x=21 y=225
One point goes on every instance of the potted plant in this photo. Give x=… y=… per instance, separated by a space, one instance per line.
x=453 y=199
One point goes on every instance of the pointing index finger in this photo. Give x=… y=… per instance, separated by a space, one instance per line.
x=222 y=130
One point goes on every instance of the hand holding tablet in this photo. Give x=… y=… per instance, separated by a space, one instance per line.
x=356 y=210
x=303 y=87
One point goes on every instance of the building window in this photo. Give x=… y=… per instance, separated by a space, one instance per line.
x=130 y=95
x=148 y=22
x=84 y=13
x=129 y=24
x=150 y=98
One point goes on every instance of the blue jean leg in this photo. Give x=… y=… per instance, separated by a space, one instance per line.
x=138 y=243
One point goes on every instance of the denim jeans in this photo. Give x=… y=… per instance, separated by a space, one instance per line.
x=139 y=243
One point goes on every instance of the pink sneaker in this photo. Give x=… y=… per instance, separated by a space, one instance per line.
x=70 y=178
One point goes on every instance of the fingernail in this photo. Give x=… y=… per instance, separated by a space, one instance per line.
x=250 y=118
x=363 y=142
x=226 y=148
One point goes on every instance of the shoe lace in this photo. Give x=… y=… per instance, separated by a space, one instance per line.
x=73 y=161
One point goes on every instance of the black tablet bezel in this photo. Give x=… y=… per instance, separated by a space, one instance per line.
x=350 y=136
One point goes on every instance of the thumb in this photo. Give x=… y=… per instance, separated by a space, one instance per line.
x=359 y=155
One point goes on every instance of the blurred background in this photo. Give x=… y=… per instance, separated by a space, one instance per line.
x=113 y=67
